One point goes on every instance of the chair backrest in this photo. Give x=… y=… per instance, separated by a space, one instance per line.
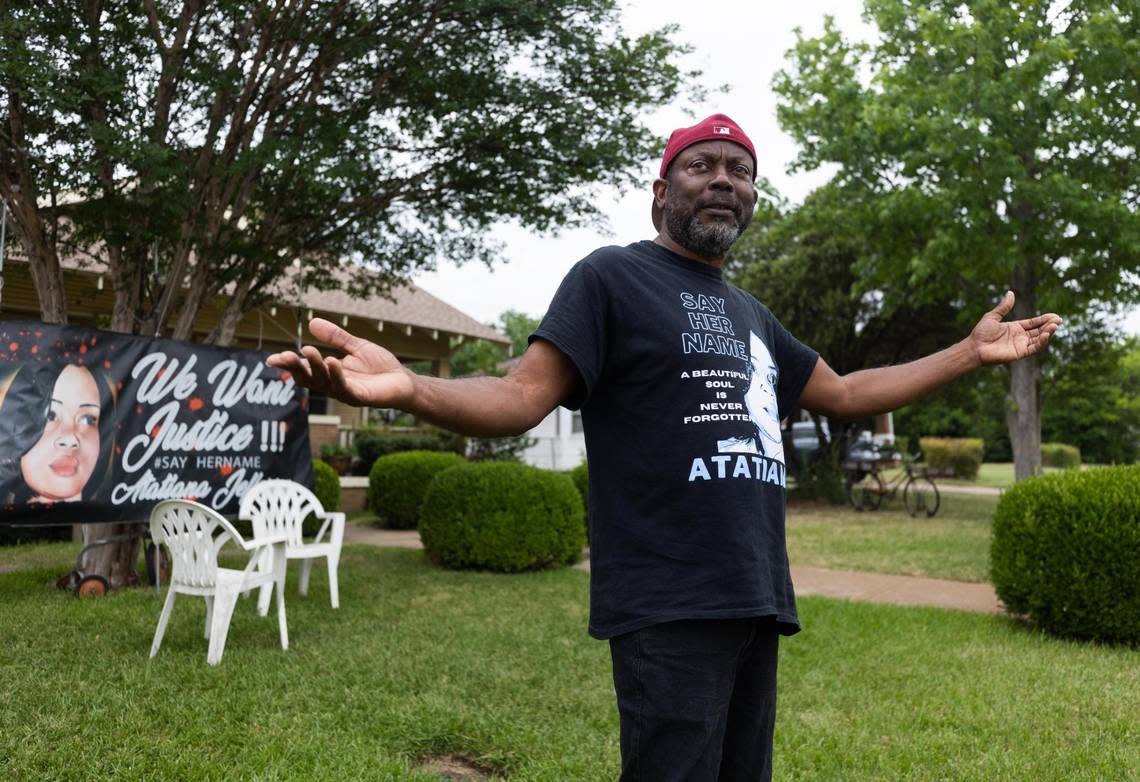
x=278 y=506
x=190 y=530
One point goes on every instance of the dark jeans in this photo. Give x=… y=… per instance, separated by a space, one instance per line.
x=697 y=700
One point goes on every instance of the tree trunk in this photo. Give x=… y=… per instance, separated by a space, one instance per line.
x=113 y=561
x=43 y=263
x=192 y=304
x=223 y=333
x=1023 y=417
x=1023 y=413
x=126 y=284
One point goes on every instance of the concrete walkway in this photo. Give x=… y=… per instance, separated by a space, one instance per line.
x=954 y=488
x=845 y=584
x=896 y=590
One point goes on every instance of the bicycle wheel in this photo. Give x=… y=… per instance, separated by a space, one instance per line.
x=920 y=495
x=865 y=493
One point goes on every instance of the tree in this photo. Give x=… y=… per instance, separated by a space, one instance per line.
x=996 y=144
x=481 y=356
x=229 y=139
x=203 y=148
x=1090 y=385
x=801 y=263
x=1090 y=395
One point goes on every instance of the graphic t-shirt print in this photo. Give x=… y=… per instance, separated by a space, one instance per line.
x=743 y=397
x=760 y=402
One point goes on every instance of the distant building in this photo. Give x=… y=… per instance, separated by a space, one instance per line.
x=560 y=445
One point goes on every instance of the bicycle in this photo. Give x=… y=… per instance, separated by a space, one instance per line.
x=866 y=489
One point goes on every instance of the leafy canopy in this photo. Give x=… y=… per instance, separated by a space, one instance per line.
x=996 y=142
x=227 y=139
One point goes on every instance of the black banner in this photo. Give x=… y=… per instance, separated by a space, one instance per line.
x=97 y=426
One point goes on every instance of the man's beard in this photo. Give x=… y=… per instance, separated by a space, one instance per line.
x=709 y=240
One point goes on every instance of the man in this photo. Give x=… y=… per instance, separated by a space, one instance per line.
x=681 y=378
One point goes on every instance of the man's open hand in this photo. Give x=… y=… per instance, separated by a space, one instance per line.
x=368 y=375
x=997 y=342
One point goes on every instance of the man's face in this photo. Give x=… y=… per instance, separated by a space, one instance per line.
x=709 y=197
x=60 y=464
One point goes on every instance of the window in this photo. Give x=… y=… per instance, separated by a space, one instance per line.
x=318 y=404
x=576 y=422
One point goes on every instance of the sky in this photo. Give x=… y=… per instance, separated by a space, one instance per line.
x=738 y=43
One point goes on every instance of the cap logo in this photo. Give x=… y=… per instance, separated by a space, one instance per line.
x=722 y=130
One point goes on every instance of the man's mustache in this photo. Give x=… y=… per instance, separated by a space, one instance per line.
x=732 y=205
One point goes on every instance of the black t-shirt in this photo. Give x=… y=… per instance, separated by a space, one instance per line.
x=683 y=377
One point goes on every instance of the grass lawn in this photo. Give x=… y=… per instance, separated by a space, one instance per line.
x=954 y=543
x=996 y=475
x=29 y=556
x=499 y=669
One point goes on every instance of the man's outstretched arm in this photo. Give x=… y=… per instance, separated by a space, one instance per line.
x=371 y=376
x=873 y=391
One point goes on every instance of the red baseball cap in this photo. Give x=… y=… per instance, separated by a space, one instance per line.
x=717 y=127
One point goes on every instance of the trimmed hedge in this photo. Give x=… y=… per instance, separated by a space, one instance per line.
x=1066 y=552
x=370 y=444
x=1060 y=455
x=959 y=457
x=397 y=484
x=502 y=516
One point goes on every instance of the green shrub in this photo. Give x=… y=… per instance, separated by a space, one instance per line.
x=502 y=516
x=397 y=484
x=1066 y=552
x=1060 y=455
x=958 y=457
x=371 y=443
x=326 y=485
x=819 y=479
x=581 y=477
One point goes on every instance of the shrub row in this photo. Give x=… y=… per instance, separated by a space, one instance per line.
x=1066 y=552
x=371 y=444
x=958 y=457
x=1060 y=455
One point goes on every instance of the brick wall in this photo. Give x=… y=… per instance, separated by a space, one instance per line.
x=323 y=430
x=353 y=491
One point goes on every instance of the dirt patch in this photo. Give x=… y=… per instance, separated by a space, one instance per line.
x=454 y=768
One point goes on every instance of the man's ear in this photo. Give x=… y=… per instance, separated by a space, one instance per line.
x=660 y=188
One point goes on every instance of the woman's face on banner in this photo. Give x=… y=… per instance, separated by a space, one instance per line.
x=60 y=464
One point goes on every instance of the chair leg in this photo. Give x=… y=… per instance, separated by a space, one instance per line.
x=306 y=569
x=263 y=596
x=334 y=592
x=224 y=603
x=264 y=563
x=281 y=625
x=209 y=613
x=163 y=618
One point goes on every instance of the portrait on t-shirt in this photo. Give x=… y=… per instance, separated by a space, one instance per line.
x=762 y=434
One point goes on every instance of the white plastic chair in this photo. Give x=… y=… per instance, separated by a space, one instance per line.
x=279 y=507
x=194 y=534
